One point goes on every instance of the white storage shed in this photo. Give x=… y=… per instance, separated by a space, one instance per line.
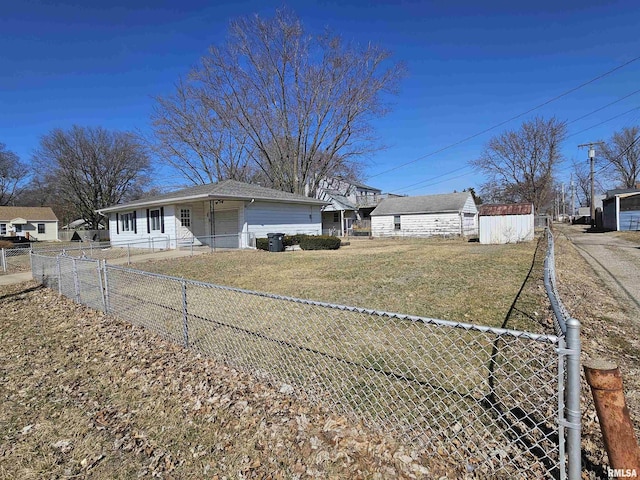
x=506 y=223
x=425 y=216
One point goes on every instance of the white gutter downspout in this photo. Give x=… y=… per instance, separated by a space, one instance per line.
x=617 y=213
x=342 y=223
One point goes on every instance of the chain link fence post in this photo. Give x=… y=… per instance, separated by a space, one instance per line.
x=107 y=300
x=185 y=325
x=101 y=285
x=574 y=447
x=4 y=262
x=59 y=273
x=76 y=280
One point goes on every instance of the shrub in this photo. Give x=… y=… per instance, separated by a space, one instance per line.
x=262 y=243
x=6 y=244
x=319 y=242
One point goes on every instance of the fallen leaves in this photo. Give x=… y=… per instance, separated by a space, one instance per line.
x=83 y=393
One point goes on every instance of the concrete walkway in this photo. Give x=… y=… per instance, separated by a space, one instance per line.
x=13 y=278
x=615 y=260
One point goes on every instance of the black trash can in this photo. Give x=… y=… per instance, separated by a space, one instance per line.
x=276 y=242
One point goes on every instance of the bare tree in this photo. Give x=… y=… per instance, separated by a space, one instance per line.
x=92 y=167
x=581 y=171
x=622 y=151
x=13 y=174
x=196 y=142
x=289 y=108
x=520 y=163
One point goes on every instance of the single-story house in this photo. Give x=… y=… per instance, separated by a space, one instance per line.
x=506 y=223
x=425 y=216
x=33 y=223
x=231 y=212
x=621 y=209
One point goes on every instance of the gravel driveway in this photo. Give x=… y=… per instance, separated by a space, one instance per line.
x=615 y=260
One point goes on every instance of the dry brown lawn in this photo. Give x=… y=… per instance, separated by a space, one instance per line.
x=448 y=279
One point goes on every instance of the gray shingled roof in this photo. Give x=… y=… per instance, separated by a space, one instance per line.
x=227 y=189
x=443 y=203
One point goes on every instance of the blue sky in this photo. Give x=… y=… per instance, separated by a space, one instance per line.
x=471 y=65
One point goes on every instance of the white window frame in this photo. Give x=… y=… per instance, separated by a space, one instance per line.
x=185 y=217
x=126 y=222
x=397 y=225
x=155 y=222
x=3 y=228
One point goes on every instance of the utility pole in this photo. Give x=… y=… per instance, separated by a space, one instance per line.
x=573 y=198
x=564 y=211
x=592 y=156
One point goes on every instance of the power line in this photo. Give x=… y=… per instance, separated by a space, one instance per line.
x=604 y=121
x=569 y=136
x=603 y=107
x=547 y=102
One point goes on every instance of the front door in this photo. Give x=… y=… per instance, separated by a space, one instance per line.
x=185 y=222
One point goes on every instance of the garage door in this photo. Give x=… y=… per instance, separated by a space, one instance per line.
x=226 y=231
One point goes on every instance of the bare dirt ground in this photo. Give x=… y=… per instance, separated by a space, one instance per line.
x=86 y=396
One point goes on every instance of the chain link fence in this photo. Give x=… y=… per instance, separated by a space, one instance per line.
x=14 y=260
x=492 y=398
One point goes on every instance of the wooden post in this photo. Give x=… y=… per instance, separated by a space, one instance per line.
x=617 y=430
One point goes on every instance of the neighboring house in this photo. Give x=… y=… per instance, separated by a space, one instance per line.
x=506 y=223
x=621 y=209
x=350 y=203
x=33 y=223
x=80 y=224
x=234 y=212
x=425 y=216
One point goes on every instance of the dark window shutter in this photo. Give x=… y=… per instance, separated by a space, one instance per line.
x=148 y=222
x=117 y=223
x=161 y=219
x=135 y=223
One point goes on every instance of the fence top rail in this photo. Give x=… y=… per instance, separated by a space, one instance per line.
x=539 y=337
x=560 y=313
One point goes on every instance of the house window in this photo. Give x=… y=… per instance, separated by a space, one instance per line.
x=185 y=217
x=154 y=216
x=126 y=222
x=336 y=217
x=396 y=222
x=18 y=228
x=41 y=228
x=3 y=228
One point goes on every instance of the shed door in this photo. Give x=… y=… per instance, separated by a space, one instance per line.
x=469 y=224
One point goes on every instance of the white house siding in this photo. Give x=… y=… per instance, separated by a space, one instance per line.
x=262 y=218
x=417 y=225
x=498 y=229
x=139 y=237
